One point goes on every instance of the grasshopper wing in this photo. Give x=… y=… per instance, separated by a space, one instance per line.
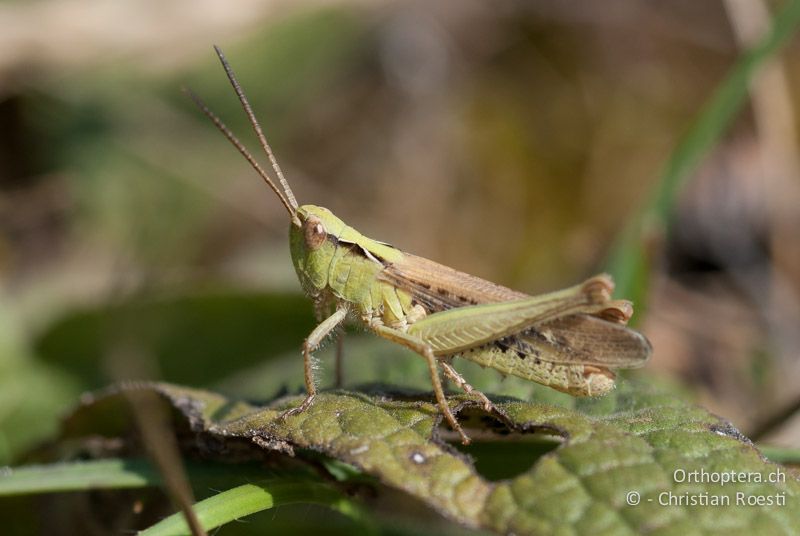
x=438 y=287
x=581 y=339
x=595 y=335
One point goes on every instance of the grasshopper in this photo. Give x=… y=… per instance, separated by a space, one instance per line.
x=569 y=340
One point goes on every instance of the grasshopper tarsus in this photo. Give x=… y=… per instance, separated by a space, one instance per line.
x=454 y=424
x=304 y=405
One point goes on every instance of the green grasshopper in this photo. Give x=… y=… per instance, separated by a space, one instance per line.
x=568 y=339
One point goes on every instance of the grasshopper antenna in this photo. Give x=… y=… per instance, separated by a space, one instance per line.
x=291 y=206
x=254 y=122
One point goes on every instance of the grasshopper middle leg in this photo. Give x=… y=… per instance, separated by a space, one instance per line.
x=310 y=345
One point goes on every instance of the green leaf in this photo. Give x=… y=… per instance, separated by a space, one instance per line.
x=196 y=339
x=632 y=441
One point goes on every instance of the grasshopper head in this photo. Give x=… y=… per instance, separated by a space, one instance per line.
x=312 y=239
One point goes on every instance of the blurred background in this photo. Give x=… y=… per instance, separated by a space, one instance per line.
x=517 y=141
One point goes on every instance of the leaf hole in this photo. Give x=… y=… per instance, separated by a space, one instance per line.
x=498 y=451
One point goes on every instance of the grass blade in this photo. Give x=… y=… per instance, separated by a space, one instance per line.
x=119 y=473
x=78 y=476
x=249 y=499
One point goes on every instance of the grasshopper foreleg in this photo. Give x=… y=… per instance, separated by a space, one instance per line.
x=425 y=350
x=310 y=345
x=453 y=374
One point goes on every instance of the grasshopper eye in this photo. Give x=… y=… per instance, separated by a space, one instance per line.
x=315 y=233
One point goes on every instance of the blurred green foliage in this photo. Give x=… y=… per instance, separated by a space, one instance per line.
x=143 y=229
x=196 y=340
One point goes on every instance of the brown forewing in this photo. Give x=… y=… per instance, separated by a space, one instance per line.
x=580 y=338
x=583 y=339
x=438 y=288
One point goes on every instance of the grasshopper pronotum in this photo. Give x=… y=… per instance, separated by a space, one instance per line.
x=569 y=339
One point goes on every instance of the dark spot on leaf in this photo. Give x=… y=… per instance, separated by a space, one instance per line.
x=724 y=428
